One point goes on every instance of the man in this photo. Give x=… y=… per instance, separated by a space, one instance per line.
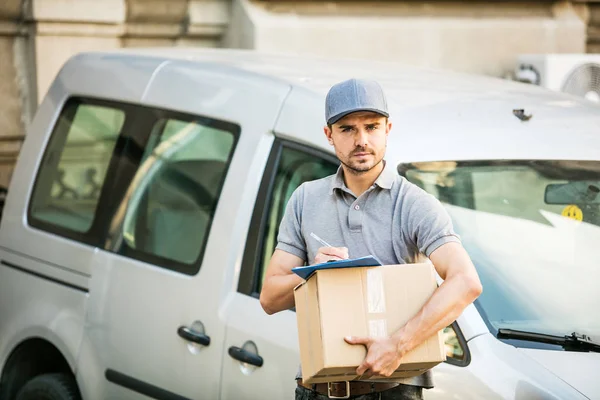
x=367 y=208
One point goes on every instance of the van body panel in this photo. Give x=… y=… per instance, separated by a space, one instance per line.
x=276 y=340
x=123 y=334
x=67 y=277
x=471 y=324
x=461 y=113
x=104 y=75
x=463 y=382
x=575 y=368
x=499 y=371
x=507 y=372
x=56 y=313
x=303 y=112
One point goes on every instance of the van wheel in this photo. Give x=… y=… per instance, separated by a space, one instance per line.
x=50 y=387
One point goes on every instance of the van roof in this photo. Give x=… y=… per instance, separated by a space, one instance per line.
x=446 y=115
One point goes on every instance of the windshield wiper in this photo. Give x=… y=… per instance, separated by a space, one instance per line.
x=573 y=342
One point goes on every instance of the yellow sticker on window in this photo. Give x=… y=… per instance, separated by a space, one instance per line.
x=573 y=212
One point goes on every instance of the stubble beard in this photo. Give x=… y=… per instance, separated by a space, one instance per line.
x=357 y=168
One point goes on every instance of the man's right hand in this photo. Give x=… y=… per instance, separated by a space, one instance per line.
x=331 y=253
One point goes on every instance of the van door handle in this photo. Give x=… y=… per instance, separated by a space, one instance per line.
x=192 y=336
x=245 y=356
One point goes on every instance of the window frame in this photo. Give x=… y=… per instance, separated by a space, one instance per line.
x=125 y=161
x=94 y=235
x=250 y=272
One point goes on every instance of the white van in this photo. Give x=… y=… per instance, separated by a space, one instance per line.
x=146 y=201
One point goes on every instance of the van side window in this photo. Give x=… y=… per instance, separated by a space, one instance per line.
x=456 y=346
x=295 y=168
x=133 y=180
x=291 y=166
x=74 y=168
x=174 y=194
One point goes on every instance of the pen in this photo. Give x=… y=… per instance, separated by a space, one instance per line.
x=324 y=243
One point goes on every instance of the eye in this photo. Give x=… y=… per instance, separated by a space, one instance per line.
x=345 y=130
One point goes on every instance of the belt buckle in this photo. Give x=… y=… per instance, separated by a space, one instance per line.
x=347 y=396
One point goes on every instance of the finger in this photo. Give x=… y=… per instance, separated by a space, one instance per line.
x=340 y=252
x=324 y=250
x=383 y=371
x=386 y=369
x=379 y=370
x=363 y=370
x=387 y=373
x=322 y=258
x=345 y=252
x=328 y=252
x=358 y=340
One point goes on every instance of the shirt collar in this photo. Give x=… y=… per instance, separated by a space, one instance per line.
x=338 y=180
x=385 y=180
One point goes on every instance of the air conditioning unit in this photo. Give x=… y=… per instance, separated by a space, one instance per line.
x=577 y=74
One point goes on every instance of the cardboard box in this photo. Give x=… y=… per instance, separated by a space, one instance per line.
x=362 y=301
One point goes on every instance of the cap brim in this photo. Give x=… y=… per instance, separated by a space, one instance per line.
x=341 y=115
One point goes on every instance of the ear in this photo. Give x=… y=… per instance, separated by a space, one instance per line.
x=328 y=133
x=388 y=128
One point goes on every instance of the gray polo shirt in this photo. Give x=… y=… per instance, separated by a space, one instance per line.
x=394 y=220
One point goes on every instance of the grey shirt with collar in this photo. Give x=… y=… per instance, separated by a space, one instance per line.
x=394 y=220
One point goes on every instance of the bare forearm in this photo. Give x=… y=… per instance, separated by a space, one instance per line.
x=444 y=306
x=278 y=293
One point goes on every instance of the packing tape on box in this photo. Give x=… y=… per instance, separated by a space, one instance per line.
x=375 y=294
x=378 y=328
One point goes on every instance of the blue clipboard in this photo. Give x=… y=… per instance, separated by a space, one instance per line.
x=368 y=261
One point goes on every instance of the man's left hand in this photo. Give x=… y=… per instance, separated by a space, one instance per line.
x=383 y=356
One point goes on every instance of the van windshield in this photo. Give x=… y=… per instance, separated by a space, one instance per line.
x=532 y=229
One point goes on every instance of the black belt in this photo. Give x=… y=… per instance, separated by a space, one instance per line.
x=343 y=390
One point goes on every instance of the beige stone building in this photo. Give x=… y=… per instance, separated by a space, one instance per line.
x=37 y=36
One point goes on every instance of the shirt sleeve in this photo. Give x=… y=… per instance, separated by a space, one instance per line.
x=289 y=238
x=429 y=225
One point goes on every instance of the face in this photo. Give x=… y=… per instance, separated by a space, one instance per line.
x=360 y=140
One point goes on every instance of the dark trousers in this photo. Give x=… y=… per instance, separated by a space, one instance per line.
x=401 y=392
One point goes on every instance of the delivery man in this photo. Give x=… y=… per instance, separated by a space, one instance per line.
x=367 y=208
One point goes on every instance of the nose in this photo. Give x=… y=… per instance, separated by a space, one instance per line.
x=362 y=138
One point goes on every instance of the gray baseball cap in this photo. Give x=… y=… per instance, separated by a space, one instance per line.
x=354 y=95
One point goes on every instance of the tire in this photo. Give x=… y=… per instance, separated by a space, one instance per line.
x=50 y=387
